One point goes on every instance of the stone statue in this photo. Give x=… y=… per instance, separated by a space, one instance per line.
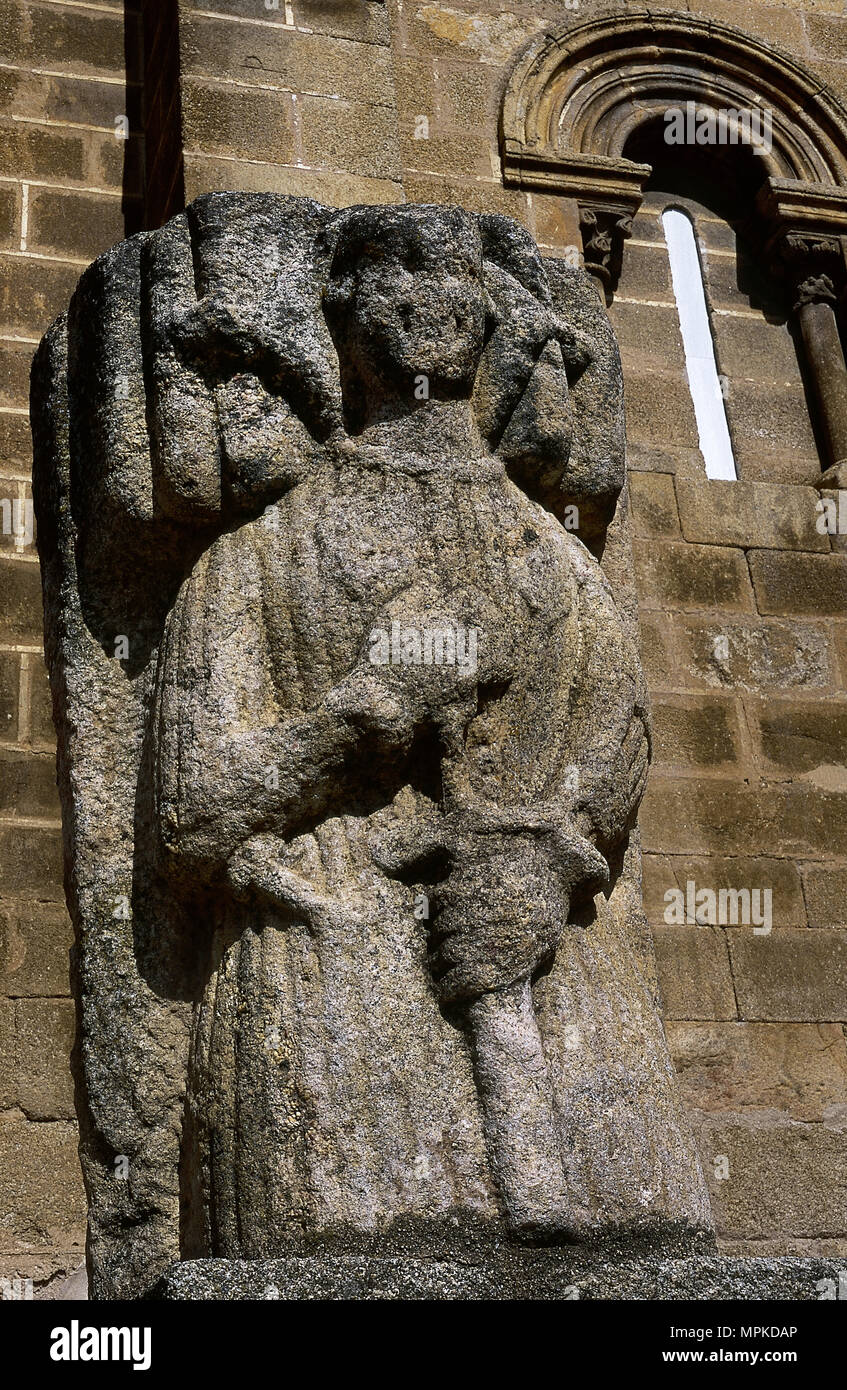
x=352 y=740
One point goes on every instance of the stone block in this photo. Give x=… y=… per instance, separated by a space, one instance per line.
x=728 y=816
x=10 y=681
x=751 y=347
x=44 y=36
x=699 y=731
x=206 y=174
x=470 y=158
x=470 y=97
x=825 y=890
x=74 y=224
x=359 y=139
x=663 y=872
x=803 y=738
x=8 y=1058
x=796 y=1069
x=509 y=1276
x=416 y=91
x=801 y=584
x=774 y=421
x=791 y=975
x=790 y=1178
x=555 y=223
x=750 y=655
x=37 y=153
x=826 y=37
x=292 y=60
x=41 y=1193
x=20 y=601
x=653 y=502
x=447 y=31
x=238 y=122
x=750 y=514
x=28 y=784
x=480 y=195
x=45 y=1034
x=657 y=648
x=36 y=940
x=15 y=441
x=42 y=732
x=660 y=413
x=367 y=20
x=33 y=292
x=14 y=374
x=694 y=975
x=648 y=336
x=646 y=456
x=31 y=863
x=646 y=272
x=676 y=575
x=9 y=219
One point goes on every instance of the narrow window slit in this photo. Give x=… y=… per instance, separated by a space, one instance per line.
x=700 y=363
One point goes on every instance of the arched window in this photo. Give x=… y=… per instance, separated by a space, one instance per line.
x=698 y=343
x=584 y=118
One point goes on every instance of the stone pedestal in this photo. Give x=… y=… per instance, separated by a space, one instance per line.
x=504 y=1275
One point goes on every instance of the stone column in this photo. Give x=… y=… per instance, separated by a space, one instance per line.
x=803 y=230
x=815 y=310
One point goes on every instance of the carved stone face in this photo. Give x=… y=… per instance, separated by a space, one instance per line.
x=406 y=298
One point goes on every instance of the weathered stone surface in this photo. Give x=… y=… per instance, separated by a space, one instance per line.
x=790 y=974
x=677 y=575
x=766 y=655
x=699 y=815
x=41 y=1194
x=352 y=737
x=8 y=1057
x=825 y=888
x=35 y=947
x=750 y=514
x=772 y=1176
x=805 y=738
x=697 y=730
x=801 y=584
x=694 y=973
x=513 y=1276
x=797 y=1069
x=45 y=1033
x=654 y=509
x=665 y=872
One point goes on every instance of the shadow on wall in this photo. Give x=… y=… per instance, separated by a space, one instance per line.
x=153 y=164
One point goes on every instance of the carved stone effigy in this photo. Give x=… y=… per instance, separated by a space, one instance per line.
x=352 y=737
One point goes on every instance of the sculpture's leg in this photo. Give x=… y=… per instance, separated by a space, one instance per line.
x=521 y=1127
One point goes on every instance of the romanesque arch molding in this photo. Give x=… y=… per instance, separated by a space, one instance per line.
x=575 y=97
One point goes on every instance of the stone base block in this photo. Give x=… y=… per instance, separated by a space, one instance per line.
x=539 y=1274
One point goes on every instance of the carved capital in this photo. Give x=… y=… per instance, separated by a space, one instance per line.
x=803 y=232
x=815 y=289
x=604 y=231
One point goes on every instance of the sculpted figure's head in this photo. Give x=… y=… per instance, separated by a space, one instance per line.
x=405 y=300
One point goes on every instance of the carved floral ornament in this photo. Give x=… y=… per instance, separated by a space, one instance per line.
x=577 y=94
